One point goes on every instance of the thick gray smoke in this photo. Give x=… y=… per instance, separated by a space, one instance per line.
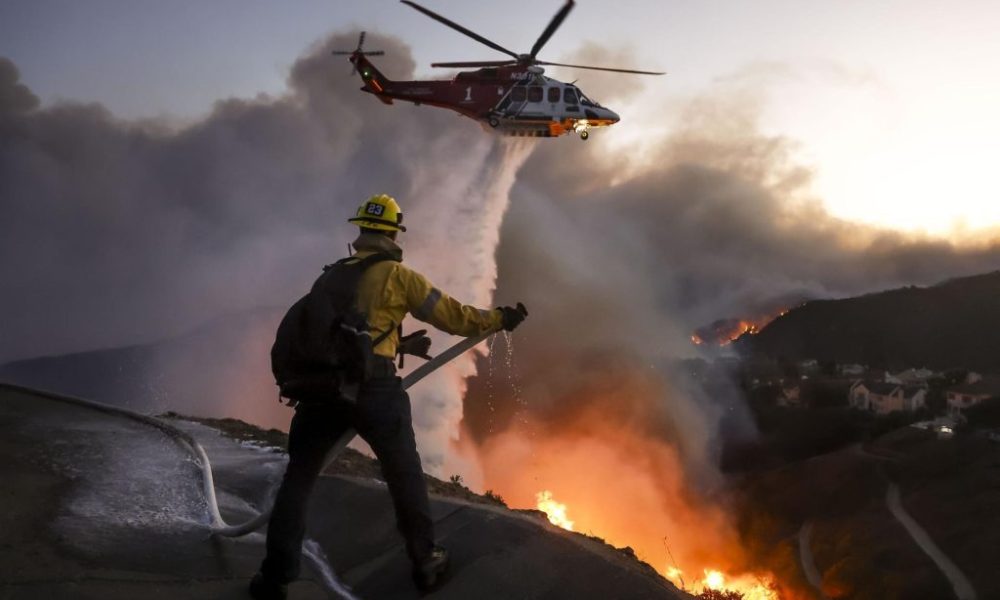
x=618 y=277
x=593 y=407
x=116 y=232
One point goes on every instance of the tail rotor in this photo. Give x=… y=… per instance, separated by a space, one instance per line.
x=359 y=51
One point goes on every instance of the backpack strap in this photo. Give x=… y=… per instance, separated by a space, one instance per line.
x=374 y=259
x=381 y=337
x=364 y=263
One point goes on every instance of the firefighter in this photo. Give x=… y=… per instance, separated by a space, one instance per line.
x=387 y=291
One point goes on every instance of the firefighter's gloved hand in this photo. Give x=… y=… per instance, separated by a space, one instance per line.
x=416 y=344
x=512 y=316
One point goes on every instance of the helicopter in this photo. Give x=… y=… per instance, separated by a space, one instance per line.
x=511 y=96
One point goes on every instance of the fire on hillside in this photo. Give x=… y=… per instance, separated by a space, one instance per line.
x=723 y=332
x=601 y=474
x=746 y=586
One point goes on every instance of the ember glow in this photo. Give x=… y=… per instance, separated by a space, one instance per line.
x=628 y=489
x=752 y=588
x=555 y=511
x=714 y=580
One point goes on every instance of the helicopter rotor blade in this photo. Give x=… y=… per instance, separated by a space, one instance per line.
x=353 y=52
x=553 y=25
x=632 y=71
x=459 y=28
x=361 y=41
x=482 y=63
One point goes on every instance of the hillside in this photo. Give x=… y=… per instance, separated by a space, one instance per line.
x=100 y=505
x=953 y=324
x=950 y=487
x=219 y=369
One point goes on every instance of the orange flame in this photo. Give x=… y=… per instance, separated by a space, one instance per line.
x=625 y=483
x=751 y=587
x=725 y=331
x=742 y=328
x=555 y=511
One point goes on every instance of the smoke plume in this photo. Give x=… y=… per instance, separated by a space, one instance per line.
x=120 y=232
x=617 y=277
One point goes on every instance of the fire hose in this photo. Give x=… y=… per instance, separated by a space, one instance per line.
x=220 y=527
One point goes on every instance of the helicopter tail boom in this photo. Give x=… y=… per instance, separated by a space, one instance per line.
x=373 y=79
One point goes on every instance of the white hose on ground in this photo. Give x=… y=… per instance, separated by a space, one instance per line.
x=218 y=525
x=335 y=588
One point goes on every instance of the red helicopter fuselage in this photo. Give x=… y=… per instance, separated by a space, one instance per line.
x=512 y=100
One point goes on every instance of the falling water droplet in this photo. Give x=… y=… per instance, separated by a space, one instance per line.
x=489 y=383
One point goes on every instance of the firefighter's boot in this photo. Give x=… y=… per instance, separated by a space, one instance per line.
x=430 y=572
x=262 y=588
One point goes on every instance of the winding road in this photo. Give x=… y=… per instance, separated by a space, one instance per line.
x=959 y=582
x=806 y=560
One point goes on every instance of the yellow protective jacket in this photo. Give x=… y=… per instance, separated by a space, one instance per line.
x=389 y=290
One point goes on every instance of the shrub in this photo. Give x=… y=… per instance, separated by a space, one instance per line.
x=494 y=497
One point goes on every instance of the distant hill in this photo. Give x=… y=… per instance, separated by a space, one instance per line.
x=955 y=324
x=219 y=369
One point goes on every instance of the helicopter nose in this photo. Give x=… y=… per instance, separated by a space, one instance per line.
x=613 y=116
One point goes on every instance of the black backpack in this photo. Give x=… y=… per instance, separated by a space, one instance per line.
x=323 y=347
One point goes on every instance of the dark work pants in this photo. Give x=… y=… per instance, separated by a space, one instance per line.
x=382 y=418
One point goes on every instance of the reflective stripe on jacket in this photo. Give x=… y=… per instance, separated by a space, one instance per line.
x=389 y=290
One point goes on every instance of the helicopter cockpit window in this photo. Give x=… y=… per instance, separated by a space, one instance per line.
x=569 y=96
x=517 y=94
x=489 y=73
x=587 y=101
x=553 y=94
x=535 y=93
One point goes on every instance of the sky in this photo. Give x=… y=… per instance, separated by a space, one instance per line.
x=869 y=90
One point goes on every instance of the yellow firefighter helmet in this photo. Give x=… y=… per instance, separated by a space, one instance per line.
x=379 y=212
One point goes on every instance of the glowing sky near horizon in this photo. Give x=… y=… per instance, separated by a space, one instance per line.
x=893 y=103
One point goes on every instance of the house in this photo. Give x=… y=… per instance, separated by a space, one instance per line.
x=910 y=377
x=857 y=397
x=810 y=365
x=884 y=398
x=852 y=370
x=975 y=390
